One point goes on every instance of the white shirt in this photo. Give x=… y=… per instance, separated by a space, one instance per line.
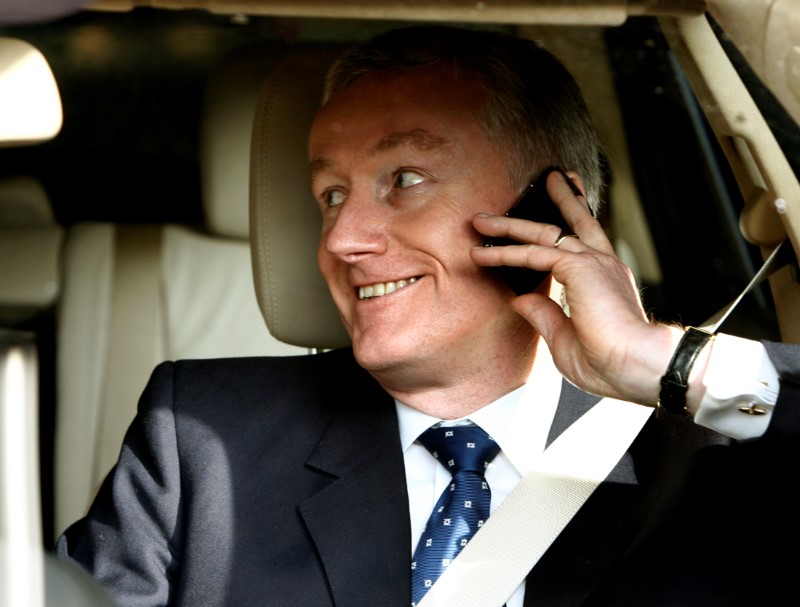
x=520 y=422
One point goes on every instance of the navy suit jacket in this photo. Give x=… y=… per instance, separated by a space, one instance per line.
x=280 y=482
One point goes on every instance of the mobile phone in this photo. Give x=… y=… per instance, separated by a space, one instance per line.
x=535 y=205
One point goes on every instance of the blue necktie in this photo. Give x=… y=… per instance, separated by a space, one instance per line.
x=463 y=506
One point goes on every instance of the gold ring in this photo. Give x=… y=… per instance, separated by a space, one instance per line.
x=562 y=237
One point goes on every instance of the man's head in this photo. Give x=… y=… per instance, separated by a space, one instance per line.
x=532 y=107
x=414 y=138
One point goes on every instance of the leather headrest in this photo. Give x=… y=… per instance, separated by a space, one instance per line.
x=30 y=247
x=229 y=106
x=285 y=221
x=24 y=203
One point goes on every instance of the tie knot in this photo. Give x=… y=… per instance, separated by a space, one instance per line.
x=460 y=448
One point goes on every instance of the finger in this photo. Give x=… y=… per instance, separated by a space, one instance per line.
x=520 y=230
x=563 y=237
x=538 y=248
x=576 y=212
x=533 y=256
x=549 y=320
x=528 y=254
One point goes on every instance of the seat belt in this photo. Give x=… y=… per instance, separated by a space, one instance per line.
x=512 y=540
x=134 y=334
x=522 y=528
x=781 y=256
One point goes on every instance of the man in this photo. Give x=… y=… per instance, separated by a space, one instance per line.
x=256 y=482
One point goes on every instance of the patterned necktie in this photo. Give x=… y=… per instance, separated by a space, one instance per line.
x=463 y=506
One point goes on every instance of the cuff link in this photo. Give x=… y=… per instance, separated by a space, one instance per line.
x=752 y=409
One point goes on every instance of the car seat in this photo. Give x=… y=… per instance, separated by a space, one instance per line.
x=30 y=251
x=135 y=295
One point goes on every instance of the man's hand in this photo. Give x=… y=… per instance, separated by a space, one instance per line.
x=604 y=343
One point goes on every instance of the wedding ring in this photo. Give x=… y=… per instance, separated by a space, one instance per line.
x=562 y=237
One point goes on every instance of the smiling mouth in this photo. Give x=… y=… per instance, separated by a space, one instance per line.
x=379 y=289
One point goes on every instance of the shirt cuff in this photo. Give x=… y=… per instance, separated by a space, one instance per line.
x=741 y=388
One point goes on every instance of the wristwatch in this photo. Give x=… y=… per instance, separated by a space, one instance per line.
x=675 y=381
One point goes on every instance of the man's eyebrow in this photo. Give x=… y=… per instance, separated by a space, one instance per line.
x=318 y=164
x=418 y=138
x=421 y=139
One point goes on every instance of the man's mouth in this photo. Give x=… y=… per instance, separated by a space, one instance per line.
x=379 y=289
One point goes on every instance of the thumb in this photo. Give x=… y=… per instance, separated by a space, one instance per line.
x=544 y=314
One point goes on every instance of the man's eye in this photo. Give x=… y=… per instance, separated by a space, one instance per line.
x=334 y=198
x=406 y=179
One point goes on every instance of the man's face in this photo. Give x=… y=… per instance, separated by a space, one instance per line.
x=399 y=167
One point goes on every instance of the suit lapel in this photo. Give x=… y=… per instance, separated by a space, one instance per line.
x=359 y=522
x=572 y=403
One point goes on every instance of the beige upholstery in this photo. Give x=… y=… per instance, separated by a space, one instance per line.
x=766 y=32
x=285 y=220
x=30 y=245
x=137 y=295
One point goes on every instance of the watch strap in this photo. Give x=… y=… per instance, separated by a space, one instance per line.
x=675 y=382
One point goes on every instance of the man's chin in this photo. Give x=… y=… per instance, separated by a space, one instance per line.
x=382 y=357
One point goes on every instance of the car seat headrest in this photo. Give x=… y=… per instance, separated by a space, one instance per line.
x=229 y=105
x=285 y=221
x=24 y=203
x=30 y=248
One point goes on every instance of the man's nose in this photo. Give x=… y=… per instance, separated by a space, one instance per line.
x=360 y=227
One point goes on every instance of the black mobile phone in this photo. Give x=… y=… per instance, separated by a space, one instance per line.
x=535 y=205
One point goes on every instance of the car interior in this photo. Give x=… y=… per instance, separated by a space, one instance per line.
x=154 y=199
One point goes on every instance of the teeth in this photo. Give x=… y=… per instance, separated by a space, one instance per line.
x=383 y=288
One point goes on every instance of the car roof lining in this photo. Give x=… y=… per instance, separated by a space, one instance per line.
x=552 y=12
